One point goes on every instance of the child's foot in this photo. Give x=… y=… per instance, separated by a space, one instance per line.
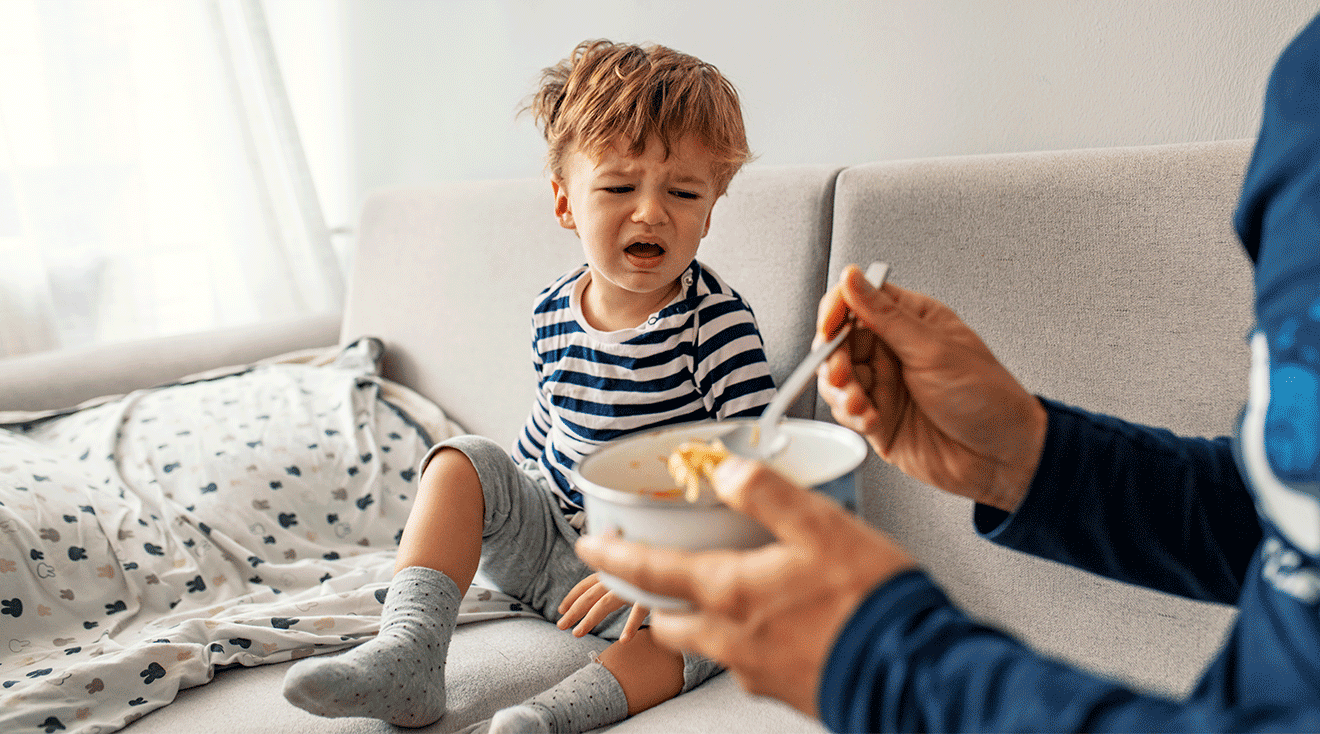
x=397 y=677
x=586 y=700
x=521 y=719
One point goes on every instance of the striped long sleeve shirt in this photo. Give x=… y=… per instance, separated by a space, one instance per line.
x=700 y=357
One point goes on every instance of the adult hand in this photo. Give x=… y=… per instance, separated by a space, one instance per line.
x=769 y=615
x=928 y=395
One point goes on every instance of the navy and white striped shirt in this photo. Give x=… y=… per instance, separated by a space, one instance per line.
x=700 y=357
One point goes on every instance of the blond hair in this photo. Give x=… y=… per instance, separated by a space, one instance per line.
x=609 y=93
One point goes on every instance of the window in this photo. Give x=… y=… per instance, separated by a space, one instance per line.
x=151 y=178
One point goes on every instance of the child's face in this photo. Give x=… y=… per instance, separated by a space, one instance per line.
x=640 y=218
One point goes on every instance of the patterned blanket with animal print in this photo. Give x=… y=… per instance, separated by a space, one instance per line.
x=151 y=539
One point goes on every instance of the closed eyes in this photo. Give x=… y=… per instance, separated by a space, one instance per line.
x=675 y=192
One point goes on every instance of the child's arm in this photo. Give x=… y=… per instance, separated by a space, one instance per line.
x=732 y=372
x=590 y=602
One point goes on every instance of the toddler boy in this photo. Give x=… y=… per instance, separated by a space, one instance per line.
x=642 y=142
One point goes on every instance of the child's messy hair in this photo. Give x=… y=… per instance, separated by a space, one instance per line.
x=607 y=92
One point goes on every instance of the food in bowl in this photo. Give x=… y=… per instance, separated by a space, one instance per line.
x=693 y=461
x=629 y=491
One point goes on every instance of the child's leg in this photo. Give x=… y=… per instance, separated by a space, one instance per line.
x=628 y=678
x=528 y=552
x=648 y=674
x=399 y=675
x=443 y=531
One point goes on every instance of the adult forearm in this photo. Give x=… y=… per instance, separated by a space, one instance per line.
x=1136 y=504
x=909 y=660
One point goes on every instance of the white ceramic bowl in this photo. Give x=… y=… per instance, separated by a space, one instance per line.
x=619 y=480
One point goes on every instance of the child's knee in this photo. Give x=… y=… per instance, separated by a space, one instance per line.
x=446 y=462
x=467 y=450
x=460 y=464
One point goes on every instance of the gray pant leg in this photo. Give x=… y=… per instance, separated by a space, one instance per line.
x=698 y=669
x=527 y=543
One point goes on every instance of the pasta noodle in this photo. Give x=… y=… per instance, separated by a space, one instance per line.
x=693 y=460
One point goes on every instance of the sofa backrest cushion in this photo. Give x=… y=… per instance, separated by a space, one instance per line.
x=1108 y=279
x=446 y=276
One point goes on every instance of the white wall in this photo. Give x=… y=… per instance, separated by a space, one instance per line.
x=428 y=88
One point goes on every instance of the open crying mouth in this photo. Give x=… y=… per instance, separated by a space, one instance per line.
x=645 y=249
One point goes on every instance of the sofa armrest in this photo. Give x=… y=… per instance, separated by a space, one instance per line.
x=66 y=378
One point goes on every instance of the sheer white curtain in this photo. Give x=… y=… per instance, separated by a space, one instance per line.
x=151 y=177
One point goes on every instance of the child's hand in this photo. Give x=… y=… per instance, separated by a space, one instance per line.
x=590 y=602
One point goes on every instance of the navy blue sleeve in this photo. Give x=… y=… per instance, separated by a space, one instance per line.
x=1135 y=504
x=908 y=660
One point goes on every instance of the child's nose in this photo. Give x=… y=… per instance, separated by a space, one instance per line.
x=650 y=210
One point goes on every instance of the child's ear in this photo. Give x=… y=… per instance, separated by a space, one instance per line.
x=563 y=212
x=706 y=231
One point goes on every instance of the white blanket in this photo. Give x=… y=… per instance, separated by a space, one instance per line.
x=241 y=520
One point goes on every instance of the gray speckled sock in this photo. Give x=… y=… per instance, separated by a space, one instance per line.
x=399 y=676
x=586 y=700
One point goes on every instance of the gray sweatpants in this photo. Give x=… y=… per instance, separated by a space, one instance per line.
x=526 y=542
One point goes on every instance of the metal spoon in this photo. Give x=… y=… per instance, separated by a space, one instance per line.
x=762 y=440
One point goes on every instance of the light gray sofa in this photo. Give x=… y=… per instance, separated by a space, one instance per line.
x=1110 y=279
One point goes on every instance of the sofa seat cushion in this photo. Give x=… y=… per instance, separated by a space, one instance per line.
x=491 y=665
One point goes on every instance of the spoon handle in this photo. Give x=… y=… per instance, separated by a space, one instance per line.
x=806 y=372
